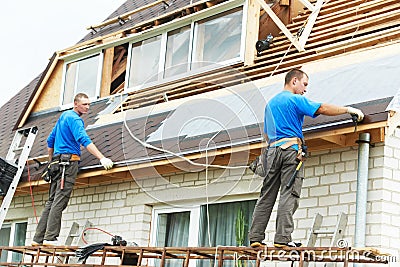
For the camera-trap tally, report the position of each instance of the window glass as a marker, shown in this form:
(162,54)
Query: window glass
(19,239)
(5,232)
(177,54)
(218,39)
(229,224)
(224,220)
(81,77)
(173,231)
(145,58)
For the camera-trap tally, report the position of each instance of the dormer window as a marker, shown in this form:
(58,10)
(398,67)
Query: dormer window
(198,46)
(217,39)
(82,76)
(146,55)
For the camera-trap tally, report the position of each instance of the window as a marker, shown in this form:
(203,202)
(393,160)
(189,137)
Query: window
(177,55)
(215,40)
(146,56)
(13,234)
(224,221)
(218,39)
(181,228)
(174,228)
(82,76)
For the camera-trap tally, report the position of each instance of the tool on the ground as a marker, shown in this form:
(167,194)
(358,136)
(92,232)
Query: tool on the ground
(13,168)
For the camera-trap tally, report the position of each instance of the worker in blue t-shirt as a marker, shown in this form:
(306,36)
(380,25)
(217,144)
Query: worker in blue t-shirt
(283,123)
(64,149)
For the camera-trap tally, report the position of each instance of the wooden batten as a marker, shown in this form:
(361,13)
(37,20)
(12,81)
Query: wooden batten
(252,26)
(106,77)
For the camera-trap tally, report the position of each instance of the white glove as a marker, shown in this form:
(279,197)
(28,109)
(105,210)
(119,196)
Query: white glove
(357,112)
(107,163)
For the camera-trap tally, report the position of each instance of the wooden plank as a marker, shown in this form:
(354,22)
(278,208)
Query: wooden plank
(107,72)
(125,15)
(356,43)
(252,25)
(310,23)
(284,2)
(280,25)
(108,38)
(337,139)
(307,4)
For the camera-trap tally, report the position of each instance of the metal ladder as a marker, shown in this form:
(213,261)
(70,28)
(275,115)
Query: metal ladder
(336,233)
(29,135)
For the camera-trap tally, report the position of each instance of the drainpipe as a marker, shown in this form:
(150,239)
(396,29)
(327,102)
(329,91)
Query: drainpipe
(362,189)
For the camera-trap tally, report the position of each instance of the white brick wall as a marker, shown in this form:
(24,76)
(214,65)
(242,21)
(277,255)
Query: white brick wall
(329,188)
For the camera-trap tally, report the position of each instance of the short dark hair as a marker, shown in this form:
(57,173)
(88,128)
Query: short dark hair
(294,73)
(79,96)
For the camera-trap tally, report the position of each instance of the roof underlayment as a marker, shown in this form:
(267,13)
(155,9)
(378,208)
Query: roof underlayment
(243,105)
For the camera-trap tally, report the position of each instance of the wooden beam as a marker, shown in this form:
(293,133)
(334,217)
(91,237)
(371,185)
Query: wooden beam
(280,25)
(107,72)
(336,139)
(125,16)
(310,24)
(307,4)
(284,2)
(347,130)
(252,25)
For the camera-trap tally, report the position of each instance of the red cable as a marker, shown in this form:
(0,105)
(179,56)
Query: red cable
(93,228)
(31,190)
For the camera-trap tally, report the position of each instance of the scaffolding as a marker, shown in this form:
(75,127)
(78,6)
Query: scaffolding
(184,256)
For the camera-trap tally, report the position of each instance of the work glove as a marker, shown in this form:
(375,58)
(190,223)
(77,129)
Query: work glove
(354,111)
(107,163)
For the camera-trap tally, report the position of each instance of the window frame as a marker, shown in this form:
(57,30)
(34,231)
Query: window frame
(194,224)
(163,31)
(100,54)
(195,218)
(12,225)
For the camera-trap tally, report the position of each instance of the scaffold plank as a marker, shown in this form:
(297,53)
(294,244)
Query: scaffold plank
(43,256)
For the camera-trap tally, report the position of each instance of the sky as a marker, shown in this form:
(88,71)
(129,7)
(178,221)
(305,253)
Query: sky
(31,31)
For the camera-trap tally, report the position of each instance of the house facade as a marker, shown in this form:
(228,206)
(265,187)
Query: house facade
(178,92)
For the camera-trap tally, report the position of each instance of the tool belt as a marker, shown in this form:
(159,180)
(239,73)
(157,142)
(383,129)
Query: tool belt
(67,157)
(290,141)
(53,170)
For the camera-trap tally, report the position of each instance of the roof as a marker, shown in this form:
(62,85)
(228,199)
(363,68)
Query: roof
(217,100)
(150,13)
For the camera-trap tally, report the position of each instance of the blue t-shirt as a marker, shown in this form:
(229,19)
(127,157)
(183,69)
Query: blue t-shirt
(284,115)
(68,134)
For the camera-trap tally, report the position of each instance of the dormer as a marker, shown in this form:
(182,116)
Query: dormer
(185,40)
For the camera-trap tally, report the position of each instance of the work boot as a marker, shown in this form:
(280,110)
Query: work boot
(289,244)
(256,244)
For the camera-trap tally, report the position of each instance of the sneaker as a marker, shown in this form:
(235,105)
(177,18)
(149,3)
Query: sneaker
(35,244)
(256,244)
(289,244)
(50,243)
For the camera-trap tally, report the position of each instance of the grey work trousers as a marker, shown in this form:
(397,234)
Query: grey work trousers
(281,164)
(49,225)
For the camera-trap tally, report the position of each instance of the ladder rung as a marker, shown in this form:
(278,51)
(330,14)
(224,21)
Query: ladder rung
(323,232)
